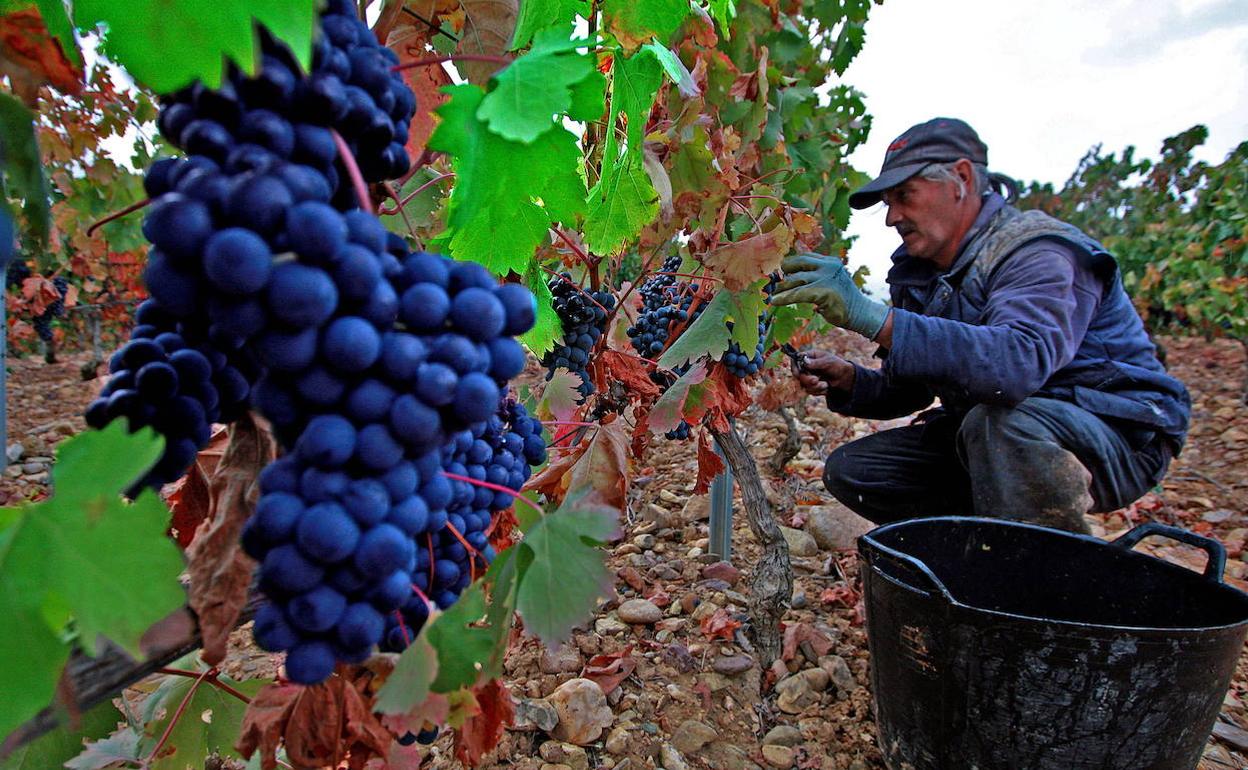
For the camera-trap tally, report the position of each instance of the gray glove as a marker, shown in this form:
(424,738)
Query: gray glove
(825,283)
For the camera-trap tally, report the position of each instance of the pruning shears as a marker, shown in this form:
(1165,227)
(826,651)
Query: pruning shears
(799,359)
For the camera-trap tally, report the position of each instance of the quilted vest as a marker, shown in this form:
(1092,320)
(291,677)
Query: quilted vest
(1114,374)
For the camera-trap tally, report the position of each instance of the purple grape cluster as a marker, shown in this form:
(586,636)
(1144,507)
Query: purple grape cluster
(368,409)
(583,318)
(499,453)
(376,367)
(281,116)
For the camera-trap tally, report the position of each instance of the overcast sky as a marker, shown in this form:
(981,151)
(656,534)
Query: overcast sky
(1041,82)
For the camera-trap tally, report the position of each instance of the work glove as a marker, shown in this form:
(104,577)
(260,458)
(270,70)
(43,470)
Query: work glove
(825,283)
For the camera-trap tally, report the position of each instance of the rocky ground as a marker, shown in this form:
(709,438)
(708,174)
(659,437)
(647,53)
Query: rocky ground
(665,676)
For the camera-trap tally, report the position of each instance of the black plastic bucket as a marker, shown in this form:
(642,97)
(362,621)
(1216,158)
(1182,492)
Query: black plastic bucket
(1005,646)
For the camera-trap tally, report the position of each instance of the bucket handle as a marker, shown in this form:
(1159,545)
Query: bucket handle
(910,564)
(1216,553)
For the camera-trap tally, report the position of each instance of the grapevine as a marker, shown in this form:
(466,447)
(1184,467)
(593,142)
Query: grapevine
(416,499)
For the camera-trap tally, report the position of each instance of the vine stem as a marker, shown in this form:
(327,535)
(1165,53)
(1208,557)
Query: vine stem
(353,171)
(212,680)
(497,488)
(569,422)
(569,282)
(641,277)
(453,57)
(173,721)
(689,275)
(133,207)
(408,198)
(472,563)
(580,253)
(398,615)
(393,193)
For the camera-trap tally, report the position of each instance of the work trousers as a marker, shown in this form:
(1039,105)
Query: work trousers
(1043,461)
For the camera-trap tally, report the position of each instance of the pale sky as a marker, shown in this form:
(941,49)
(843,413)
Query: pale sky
(1041,82)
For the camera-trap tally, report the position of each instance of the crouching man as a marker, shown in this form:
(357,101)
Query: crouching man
(1052,400)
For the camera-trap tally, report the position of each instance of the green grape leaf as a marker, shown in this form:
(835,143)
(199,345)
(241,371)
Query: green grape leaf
(675,69)
(723,11)
(84,554)
(536,15)
(460,642)
(709,334)
(786,320)
(471,636)
(622,203)
(548,329)
(168,44)
(669,410)
(55,748)
(848,44)
(210,723)
(408,684)
(59,26)
(124,747)
(624,200)
(565,573)
(589,97)
(634,22)
(494,216)
(536,87)
(23,168)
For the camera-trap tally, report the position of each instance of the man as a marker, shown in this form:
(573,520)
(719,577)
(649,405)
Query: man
(1052,401)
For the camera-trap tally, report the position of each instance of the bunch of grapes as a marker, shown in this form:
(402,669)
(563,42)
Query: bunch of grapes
(373,365)
(251,122)
(17,272)
(737,362)
(583,316)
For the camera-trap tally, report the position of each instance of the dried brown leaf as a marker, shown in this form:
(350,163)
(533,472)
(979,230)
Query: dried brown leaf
(795,634)
(219,570)
(487,29)
(601,464)
(609,669)
(710,464)
(482,730)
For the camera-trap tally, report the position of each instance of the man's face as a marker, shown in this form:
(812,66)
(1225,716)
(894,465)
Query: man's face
(926,215)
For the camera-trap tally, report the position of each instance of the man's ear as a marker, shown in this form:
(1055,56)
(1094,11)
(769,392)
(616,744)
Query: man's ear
(965,172)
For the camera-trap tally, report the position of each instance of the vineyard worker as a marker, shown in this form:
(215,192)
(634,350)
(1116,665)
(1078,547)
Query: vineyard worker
(1052,400)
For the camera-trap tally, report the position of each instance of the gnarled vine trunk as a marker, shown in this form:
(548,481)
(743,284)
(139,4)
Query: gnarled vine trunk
(771,581)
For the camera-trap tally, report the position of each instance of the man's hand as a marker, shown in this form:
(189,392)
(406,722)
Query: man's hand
(821,371)
(825,283)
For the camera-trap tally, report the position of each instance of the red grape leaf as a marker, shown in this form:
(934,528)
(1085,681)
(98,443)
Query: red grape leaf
(720,625)
(31,58)
(482,730)
(219,570)
(710,464)
(410,43)
(750,259)
(797,633)
(601,464)
(189,502)
(560,396)
(629,370)
(318,725)
(609,669)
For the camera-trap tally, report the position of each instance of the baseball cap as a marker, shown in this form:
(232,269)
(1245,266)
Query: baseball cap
(940,140)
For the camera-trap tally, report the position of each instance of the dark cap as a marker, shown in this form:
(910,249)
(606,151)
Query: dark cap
(940,140)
